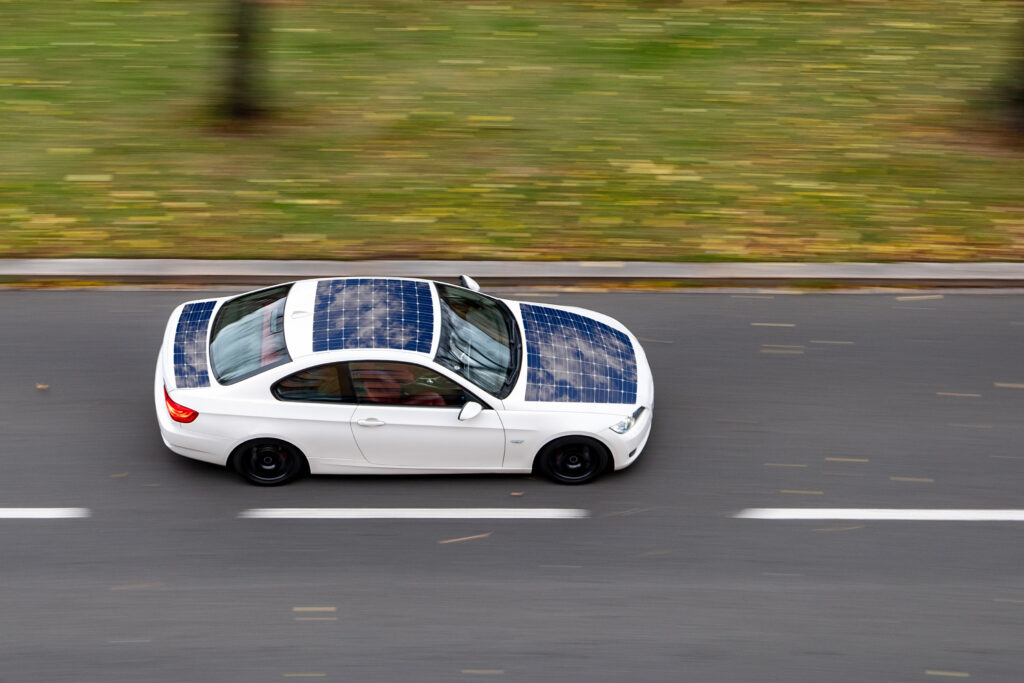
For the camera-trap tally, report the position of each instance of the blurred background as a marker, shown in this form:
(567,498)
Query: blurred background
(708,130)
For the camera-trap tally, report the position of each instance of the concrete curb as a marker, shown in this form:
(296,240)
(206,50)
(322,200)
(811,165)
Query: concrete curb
(198,271)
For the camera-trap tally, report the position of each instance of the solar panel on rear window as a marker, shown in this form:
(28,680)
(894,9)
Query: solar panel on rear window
(572,358)
(190,345)
(373,313)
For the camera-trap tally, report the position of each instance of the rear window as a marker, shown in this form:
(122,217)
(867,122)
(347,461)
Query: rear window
(248,335)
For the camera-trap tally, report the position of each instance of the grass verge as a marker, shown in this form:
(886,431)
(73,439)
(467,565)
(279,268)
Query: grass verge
(707,130)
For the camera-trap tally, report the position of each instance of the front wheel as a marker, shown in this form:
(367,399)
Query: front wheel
(269,463)
(573,460)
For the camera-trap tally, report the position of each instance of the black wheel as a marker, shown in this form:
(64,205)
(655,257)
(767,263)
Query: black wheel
(573,460)
(269,463)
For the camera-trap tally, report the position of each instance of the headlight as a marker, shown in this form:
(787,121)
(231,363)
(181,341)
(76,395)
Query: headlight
(627,423)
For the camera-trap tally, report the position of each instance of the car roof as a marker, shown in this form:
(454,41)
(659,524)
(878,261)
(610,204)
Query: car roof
(361,313)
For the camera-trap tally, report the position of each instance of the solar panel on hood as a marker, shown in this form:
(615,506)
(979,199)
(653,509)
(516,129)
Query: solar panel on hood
(572,358)
(190,345)
(373,313)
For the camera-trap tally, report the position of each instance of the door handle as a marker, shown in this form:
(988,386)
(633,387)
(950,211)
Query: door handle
(370,422)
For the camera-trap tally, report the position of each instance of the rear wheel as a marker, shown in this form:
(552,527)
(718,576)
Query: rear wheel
(269,463)
(573,460)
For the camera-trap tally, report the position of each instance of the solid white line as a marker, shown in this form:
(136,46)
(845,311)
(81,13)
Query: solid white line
(43,513)
(414,513)
(884,514)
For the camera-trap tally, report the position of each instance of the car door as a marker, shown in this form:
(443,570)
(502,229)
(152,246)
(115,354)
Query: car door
(314,411)
(408,416)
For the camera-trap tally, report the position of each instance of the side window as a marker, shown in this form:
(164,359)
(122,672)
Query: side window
(404,384)
(322,384)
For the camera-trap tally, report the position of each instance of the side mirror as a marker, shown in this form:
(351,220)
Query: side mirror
(470,410)
(469,283)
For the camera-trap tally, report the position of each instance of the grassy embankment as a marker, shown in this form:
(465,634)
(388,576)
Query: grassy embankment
(706,130)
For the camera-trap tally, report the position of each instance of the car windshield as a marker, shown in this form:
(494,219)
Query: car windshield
(479,339)
(248,335)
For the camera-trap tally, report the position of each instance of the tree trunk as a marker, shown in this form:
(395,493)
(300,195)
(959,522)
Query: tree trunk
(1014,91)
(243,100)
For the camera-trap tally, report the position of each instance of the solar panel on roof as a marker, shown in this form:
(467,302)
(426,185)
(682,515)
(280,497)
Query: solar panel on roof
(373,313)
(190,345)
(572,358)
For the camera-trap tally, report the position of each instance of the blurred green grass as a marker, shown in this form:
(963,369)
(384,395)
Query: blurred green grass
(706,130)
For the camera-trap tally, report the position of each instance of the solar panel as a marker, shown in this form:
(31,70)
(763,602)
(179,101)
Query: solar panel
(190,345)
(373,313)
(572,358)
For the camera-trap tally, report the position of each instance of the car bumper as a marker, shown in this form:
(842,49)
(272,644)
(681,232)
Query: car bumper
(630,445)
(184,440)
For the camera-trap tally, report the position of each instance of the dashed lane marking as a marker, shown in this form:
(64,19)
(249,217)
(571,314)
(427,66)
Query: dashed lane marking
(950,674)
(919,297)
(315,609)
(1009,385)
(465,538)
(414,513)
(44,513)
(847,459)
(920,480)
(773,324)
(950,393)
(884,514)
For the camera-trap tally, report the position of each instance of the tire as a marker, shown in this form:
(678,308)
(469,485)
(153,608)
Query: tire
(269,463)
(573,460)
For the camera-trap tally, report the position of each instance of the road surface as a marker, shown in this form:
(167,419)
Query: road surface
(865,401)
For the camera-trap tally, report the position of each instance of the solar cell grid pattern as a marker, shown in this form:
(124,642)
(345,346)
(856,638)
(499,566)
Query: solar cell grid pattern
(572,358)
(373,313)
(190,362)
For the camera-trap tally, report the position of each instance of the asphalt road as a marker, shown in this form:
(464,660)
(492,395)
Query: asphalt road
(758,405)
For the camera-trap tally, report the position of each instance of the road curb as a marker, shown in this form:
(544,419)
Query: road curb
(198,271)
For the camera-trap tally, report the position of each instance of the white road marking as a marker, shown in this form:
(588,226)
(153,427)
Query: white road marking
(44,513)
(414,513)
(884,514)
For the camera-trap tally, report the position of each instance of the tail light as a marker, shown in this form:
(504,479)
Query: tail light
(179,413)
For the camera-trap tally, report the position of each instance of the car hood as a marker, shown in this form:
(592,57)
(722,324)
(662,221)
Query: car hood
(574,356)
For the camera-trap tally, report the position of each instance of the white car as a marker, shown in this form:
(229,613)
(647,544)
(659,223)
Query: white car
(392,375)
